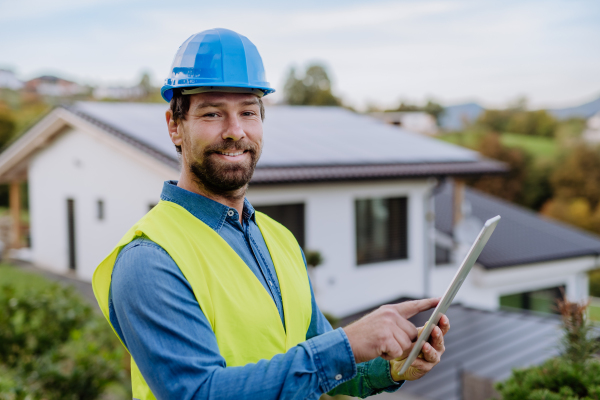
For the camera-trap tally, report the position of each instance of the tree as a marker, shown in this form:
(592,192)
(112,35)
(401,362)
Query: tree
(434,109)
(8,125)
(314,88)
(508,186)
(519,120)
(579,175)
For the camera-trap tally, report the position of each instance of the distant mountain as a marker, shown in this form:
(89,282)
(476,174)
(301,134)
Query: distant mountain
(454,117)
(583,111)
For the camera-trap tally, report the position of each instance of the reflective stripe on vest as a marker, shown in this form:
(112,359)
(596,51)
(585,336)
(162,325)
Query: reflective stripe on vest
(241,312)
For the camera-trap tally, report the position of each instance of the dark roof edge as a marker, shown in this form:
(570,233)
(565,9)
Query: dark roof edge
(152,151)
(525,262)
(309,174)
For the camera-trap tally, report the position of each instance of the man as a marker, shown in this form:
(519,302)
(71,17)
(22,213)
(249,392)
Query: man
(212,299)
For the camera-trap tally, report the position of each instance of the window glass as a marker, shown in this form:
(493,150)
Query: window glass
(381,229)
(442,255)
(289,215)
(100,209)
(538,300)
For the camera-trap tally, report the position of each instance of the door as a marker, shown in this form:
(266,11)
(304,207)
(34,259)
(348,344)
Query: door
(71,233)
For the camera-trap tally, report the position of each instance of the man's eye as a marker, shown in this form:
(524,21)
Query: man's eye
(249,113)
(210,115)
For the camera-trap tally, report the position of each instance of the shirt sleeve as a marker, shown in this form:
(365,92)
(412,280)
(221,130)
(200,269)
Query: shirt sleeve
(372,377)
(155,312)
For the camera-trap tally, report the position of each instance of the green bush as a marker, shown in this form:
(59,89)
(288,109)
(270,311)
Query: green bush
(575,375)
(556,379)
(52,346)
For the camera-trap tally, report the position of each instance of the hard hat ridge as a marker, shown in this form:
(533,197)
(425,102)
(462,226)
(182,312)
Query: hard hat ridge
(217,58)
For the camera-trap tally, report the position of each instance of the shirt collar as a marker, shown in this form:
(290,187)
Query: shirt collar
(211,212)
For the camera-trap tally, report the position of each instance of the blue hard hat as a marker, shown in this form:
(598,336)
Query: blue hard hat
(218,58)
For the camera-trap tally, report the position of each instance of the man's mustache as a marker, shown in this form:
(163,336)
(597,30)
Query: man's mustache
(226,147)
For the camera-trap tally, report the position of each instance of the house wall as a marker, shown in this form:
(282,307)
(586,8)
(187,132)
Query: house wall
(341,287)
(483,288)
(88,167)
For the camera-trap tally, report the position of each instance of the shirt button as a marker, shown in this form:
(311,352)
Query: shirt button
(338,377)
(270,283)
(230,213)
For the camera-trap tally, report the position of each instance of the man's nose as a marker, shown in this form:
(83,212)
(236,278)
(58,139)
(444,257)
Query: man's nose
(233,129)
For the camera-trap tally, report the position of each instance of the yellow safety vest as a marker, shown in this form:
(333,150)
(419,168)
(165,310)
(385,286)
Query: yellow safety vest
(241,313)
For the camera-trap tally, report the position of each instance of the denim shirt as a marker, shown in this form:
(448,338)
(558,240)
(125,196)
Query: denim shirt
(155,313)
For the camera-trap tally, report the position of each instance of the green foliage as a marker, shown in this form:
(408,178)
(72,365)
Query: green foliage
(576,197)
(542,149)
(579,175)
(8,126)
(314,88)
(517,120)
(333,320)
(555,379)
(594,282)
(52,346)
(574,375)
(508,186)
(532,160)
(434,109)
(579,344)
(570,129)
(313,258)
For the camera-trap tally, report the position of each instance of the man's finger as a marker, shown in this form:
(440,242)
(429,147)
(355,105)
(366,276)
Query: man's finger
(437,339)
(408,327)
(444,324)
(410,308)
(429,354)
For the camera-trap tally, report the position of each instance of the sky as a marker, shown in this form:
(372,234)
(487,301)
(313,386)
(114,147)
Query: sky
(377,52)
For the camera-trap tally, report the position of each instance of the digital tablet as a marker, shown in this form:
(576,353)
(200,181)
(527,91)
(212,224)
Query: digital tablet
(446,300)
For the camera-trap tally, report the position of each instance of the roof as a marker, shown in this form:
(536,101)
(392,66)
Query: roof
(521,237)
(307,144)
(487,344)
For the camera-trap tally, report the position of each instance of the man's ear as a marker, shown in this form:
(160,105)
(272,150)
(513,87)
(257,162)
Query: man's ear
(173,127)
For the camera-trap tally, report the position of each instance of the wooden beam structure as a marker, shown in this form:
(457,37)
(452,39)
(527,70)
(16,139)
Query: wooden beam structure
(457,201)
(15,213)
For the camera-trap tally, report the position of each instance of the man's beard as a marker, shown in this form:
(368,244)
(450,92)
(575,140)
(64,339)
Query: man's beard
(221,177)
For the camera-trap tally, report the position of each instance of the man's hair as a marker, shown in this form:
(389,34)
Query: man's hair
(180,105)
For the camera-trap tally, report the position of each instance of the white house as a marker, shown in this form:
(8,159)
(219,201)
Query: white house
(8,80)
(357,190)
(414,121)
(592,132)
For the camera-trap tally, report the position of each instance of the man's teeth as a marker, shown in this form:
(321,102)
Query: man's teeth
(232,154)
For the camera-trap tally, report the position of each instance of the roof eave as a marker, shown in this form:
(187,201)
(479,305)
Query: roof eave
(338,173)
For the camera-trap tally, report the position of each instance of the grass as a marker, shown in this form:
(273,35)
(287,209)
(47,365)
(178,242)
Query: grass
(594,313)
(21,280)
(594,310)
(540,148)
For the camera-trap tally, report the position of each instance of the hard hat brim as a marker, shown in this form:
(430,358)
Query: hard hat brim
(167,90)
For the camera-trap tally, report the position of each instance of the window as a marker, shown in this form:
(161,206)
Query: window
(538,300)
(442,255)
(381,230)
(100,209)
(289,215)
(71,234)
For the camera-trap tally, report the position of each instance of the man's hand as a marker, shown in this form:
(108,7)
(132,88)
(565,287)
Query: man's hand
(386,332)
(429,357)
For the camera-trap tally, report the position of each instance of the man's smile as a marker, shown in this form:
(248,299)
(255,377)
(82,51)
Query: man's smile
(232,155)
